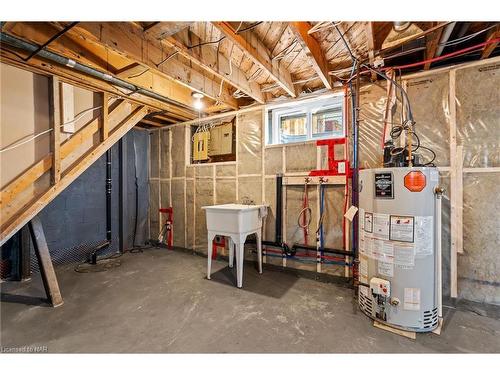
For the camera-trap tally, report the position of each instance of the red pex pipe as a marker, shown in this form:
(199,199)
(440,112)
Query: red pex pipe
(439,58)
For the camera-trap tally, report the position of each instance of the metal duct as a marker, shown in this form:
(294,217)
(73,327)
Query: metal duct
(444,38)
(61,60)
(400,26)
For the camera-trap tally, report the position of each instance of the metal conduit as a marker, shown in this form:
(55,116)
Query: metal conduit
(61,60)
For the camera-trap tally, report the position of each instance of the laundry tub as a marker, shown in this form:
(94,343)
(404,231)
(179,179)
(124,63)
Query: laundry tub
(235,221)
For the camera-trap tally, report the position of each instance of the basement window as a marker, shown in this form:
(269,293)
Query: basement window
(306,121)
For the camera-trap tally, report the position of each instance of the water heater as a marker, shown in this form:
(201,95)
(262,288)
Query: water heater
(398,257)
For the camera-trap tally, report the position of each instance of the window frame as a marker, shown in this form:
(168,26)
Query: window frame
(308,107)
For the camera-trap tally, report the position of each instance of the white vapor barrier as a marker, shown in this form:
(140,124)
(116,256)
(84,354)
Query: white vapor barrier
(430,107)
(249,138)
(479,266)
(372,101)
(478,115)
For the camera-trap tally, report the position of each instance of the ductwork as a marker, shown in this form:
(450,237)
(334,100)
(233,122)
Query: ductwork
(444,38)
(400,26)
(61,60)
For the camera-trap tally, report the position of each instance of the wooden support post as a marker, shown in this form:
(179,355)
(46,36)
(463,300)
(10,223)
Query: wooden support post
(104,116)
(46,267)
(453,193)
(55,139)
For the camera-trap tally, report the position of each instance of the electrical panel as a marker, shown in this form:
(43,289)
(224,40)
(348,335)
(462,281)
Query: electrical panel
(221,140)
(200,145)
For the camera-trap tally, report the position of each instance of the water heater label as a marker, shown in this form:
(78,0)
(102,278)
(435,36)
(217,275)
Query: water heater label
(384,185)
(402,228)
(412,299)
(381,226)
(368,222)
(424,240)
(385,269)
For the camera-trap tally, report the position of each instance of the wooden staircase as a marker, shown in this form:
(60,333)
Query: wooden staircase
(24,197)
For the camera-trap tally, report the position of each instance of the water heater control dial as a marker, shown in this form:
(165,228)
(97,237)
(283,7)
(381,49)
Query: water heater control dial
(380,287)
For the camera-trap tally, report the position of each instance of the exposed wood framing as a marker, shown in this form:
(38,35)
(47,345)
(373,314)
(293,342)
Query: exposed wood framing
(104,116)
(217,64)
(55,134)
(48,274)
(454,177)
(40,66)
(146,51)
(370,41)
(488,49)
(85,48)
(160,30)
(432,46)
(25,214)
(313,51)
(260,55)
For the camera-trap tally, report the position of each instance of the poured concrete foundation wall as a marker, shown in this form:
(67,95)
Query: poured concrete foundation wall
(252,177)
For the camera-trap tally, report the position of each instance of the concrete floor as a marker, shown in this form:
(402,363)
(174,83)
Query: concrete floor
(160,301)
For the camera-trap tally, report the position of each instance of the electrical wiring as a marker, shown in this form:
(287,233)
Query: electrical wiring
(447,56)
(77,117)
(166,58)
(466,37)
(238,31)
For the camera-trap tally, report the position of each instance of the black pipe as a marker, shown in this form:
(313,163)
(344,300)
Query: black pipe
(107,242)
(325,250)
(279,208)
(108,195)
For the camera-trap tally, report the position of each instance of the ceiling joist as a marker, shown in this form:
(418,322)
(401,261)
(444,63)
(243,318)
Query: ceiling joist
(259,54)
(312,50)
(127,39)
(206,56)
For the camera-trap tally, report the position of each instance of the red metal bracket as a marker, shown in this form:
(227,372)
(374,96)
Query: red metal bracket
(335,167)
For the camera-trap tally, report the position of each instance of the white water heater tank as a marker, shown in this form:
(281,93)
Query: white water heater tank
(398,263)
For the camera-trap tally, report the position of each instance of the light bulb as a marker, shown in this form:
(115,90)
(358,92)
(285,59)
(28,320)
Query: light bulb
(198,104)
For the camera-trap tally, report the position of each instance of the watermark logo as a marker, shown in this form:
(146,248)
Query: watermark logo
(24,349)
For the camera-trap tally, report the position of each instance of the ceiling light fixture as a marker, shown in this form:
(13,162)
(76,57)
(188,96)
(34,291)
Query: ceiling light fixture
(198,104)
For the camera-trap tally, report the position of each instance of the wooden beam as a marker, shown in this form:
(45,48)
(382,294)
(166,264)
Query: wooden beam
(260,55)
(81,45)
(31,209)
(55,134)
(40,66)
(370,42)
(206,56)
(160,30)
(47,272)
(489,48)
(104,116)
(28,177)
(126,39)
(432,46)
(37,170)
(313,51)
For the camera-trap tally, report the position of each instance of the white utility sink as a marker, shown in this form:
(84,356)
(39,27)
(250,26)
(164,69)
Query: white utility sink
(235,221)
(235,218)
